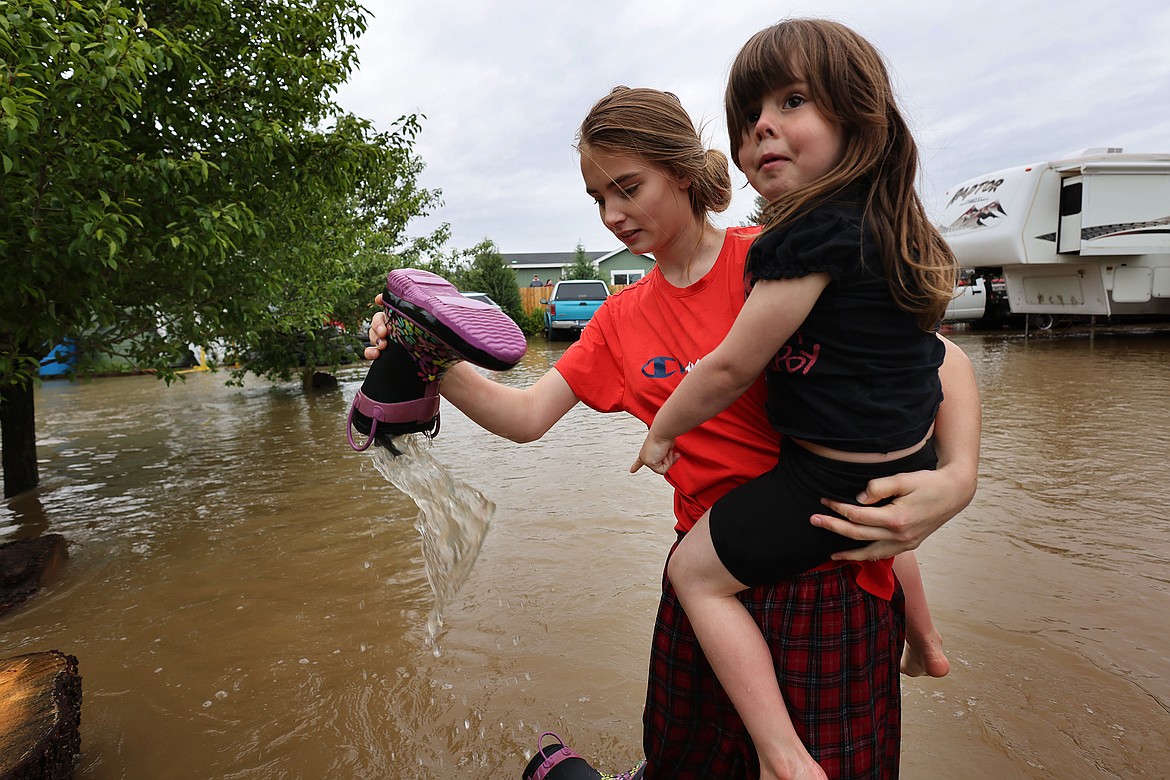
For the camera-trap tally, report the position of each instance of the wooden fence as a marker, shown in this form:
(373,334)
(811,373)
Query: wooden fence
(530,296)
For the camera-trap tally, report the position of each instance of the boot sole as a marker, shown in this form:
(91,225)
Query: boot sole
(477,332)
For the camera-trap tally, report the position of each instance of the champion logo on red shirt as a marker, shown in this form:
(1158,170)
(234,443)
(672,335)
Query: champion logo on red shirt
(662,367)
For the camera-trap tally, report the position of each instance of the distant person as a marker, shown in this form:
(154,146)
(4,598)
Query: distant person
(535,281)
(848,283)
(851,608)
(548,282)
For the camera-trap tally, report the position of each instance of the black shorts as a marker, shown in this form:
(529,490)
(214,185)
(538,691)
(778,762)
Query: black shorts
(761,529)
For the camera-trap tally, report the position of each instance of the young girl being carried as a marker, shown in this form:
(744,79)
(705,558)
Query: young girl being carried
(847,284)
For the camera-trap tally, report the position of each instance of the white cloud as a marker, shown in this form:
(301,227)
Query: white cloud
(504,85)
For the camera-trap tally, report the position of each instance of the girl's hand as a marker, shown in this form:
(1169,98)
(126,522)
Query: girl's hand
(377,331)
(658,454)
(921,502)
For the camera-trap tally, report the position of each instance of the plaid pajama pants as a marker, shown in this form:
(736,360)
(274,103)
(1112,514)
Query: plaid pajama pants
(836,650)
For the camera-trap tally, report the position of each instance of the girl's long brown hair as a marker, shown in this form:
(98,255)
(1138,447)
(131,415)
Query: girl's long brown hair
(849,83)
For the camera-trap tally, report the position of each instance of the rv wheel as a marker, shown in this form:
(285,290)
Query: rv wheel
(1042,321)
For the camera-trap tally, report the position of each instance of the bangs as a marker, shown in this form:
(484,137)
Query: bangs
(767,62)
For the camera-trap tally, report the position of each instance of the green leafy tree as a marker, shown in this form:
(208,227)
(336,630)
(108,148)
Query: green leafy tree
(532,323)
(488,272)
(582,267)
(360,243)
(179,173)
(757,215)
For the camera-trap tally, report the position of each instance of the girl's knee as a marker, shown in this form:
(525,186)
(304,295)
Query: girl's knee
(694,568)
(688,567)
(677,566)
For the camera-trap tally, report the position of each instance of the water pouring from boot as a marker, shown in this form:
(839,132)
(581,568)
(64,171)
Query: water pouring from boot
(430,327)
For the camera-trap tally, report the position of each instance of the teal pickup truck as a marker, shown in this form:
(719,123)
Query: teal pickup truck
(571,306)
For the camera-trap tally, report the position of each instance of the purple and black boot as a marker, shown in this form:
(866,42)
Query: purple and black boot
(430,327)
(555,761)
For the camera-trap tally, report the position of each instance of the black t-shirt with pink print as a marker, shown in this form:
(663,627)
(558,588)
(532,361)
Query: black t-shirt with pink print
(859,374)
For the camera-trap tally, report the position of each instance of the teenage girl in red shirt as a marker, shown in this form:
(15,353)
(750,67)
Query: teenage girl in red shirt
(655,185)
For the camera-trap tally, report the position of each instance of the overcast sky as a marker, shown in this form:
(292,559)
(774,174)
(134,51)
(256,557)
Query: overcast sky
(504,85)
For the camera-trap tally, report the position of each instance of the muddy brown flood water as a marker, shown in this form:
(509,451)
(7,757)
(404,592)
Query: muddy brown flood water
(247,598)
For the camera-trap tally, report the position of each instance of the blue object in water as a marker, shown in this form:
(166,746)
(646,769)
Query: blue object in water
(60,360)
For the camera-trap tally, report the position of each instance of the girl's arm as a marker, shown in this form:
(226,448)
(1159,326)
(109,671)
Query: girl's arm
(520,414)
(773,311)
(922,500)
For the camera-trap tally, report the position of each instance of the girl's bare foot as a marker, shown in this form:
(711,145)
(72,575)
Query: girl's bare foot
(924,657)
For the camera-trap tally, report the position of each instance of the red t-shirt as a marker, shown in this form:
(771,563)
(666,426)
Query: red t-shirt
(637,349)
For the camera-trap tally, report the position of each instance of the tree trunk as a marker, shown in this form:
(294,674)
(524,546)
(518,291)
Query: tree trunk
(313,380)
(26,564)
(40,707)
(18,430)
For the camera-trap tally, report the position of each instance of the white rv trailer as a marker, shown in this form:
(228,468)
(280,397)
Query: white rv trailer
(1084,235)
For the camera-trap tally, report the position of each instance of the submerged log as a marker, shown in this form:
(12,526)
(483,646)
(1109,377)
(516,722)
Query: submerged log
(40,716)
(26,564)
